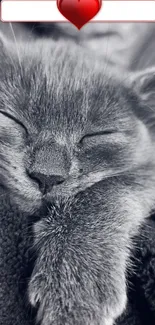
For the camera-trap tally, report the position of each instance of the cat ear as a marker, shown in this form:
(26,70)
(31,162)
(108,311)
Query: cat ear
(143,84)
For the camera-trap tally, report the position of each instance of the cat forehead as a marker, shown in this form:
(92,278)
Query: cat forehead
(51,86)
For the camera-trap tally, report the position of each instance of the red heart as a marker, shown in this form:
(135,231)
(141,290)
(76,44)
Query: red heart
(79,12)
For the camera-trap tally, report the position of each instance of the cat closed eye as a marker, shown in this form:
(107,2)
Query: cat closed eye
(14,119)
(98,135)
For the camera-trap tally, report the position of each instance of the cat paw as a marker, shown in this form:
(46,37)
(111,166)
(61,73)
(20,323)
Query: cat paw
(36,289)
(50,310)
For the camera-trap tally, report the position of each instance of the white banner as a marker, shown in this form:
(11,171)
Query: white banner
(17,10)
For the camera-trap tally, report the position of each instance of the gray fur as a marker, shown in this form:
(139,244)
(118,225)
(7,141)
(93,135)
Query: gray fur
(60,115)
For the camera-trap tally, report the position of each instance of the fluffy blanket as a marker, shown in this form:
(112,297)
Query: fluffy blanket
(141,280)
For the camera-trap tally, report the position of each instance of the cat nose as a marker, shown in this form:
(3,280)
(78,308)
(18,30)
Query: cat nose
(46,182)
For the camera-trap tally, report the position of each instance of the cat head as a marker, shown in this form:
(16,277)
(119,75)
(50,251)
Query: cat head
(65,124)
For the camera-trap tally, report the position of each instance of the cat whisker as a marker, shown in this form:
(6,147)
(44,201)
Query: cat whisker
(17,47)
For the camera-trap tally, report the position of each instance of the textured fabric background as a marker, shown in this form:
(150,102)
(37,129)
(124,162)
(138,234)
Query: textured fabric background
(121,44)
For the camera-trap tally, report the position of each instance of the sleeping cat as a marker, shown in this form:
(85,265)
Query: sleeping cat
(76,150)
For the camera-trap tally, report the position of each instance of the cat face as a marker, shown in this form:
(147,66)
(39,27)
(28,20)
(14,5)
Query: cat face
(64,125)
